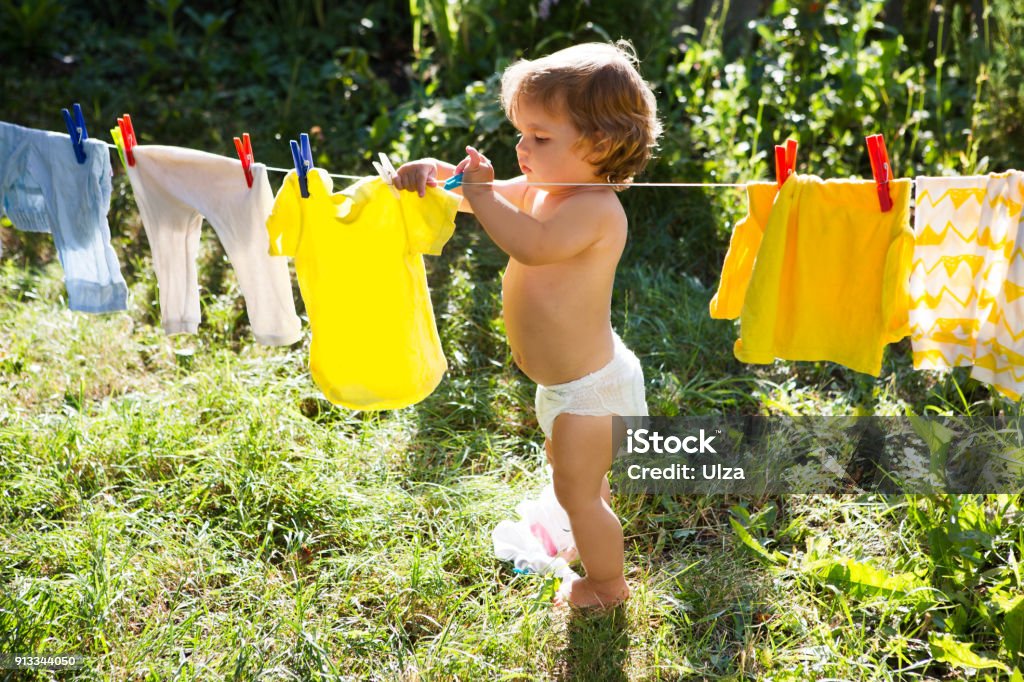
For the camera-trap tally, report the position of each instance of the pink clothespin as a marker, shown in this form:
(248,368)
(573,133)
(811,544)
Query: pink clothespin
(128,135)
(244,148)
(881,169)
(785,161)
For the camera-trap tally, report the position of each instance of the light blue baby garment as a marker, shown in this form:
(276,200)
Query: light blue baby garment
(43,188)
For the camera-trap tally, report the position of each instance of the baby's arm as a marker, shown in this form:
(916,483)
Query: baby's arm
(416,176)
(577,223)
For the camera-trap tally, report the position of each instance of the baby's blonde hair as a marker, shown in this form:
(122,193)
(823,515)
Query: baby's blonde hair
(604,95)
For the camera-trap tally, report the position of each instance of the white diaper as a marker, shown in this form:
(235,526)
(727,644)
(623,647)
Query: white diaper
(615,389)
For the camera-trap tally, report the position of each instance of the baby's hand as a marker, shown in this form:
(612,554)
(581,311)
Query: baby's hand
(416,176)
(476,168)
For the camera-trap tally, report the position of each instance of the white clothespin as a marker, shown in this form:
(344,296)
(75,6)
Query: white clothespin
(387,173)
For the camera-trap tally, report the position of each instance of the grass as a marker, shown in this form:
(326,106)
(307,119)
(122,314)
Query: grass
(191,508)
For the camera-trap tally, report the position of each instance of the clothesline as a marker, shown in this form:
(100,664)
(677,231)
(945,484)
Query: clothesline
(282,170)
(333,175)
(545,184)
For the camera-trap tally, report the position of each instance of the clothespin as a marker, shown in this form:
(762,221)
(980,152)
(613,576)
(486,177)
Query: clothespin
(115,135)
(302,155)
(128,135)
(77,131)
(881,169)
(785,161)
(244,148)
(453,182)
(387,173)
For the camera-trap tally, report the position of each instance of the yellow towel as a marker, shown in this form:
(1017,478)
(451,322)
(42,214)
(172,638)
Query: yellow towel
(743,246)
(830,281)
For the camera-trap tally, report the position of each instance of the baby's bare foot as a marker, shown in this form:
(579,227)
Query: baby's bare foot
(585,593)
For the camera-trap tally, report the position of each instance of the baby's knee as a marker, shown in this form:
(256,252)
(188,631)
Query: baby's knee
(574,497)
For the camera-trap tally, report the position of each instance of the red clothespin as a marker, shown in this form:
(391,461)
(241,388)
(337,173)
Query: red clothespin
(244,149)
(881,169)
(785,161)
(128,135)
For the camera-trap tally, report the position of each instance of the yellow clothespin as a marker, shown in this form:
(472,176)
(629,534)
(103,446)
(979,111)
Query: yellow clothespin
(119,141)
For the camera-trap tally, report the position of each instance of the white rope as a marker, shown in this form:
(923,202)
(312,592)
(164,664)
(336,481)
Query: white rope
(333,175)
(617,184)
(543,184)
(282,170)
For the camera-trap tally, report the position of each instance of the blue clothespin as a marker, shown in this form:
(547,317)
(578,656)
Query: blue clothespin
(453,182)
(302,155)
(77,131)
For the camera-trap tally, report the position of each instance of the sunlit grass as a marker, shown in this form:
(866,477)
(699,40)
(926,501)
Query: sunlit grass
(191,507)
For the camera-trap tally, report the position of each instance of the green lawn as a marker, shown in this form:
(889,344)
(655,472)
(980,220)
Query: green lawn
(192,508)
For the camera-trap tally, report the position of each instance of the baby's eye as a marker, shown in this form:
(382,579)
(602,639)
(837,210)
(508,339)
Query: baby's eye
(541,139)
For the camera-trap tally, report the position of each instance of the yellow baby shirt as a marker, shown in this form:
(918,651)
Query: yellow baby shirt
(831,277)
(358,257)
(743,247)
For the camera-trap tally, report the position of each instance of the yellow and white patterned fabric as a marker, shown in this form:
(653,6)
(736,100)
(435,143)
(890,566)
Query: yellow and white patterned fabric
(967,278)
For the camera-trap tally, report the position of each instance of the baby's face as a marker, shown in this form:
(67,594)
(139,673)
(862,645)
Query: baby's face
(547,149)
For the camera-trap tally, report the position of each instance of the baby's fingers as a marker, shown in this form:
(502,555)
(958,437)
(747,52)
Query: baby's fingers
(478,158)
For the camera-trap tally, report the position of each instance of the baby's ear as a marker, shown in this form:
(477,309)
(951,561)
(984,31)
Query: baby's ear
(599,147)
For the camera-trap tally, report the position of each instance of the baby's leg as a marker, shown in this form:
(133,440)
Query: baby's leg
(581,454)
(606,490)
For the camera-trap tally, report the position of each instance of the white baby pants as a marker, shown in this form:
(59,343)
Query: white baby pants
(175,189)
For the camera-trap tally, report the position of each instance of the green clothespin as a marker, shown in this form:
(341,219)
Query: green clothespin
(119,141)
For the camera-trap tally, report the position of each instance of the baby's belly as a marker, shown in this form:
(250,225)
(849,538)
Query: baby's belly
(554,341)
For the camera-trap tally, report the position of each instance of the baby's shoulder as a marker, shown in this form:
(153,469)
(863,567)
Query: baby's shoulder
(599,206)
(594,201)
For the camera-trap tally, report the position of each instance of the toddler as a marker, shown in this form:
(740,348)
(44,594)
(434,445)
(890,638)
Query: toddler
(587,123)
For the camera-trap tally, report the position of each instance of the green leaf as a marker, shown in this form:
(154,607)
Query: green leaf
(1013,629)
(935,435)
(747,539)
(946,649)
(863,580)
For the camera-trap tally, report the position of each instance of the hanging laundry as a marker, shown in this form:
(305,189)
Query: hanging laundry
(43,188)
(999,359)
(830,278)
(744,244)
(175,189)
(358,257)
(967,278)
